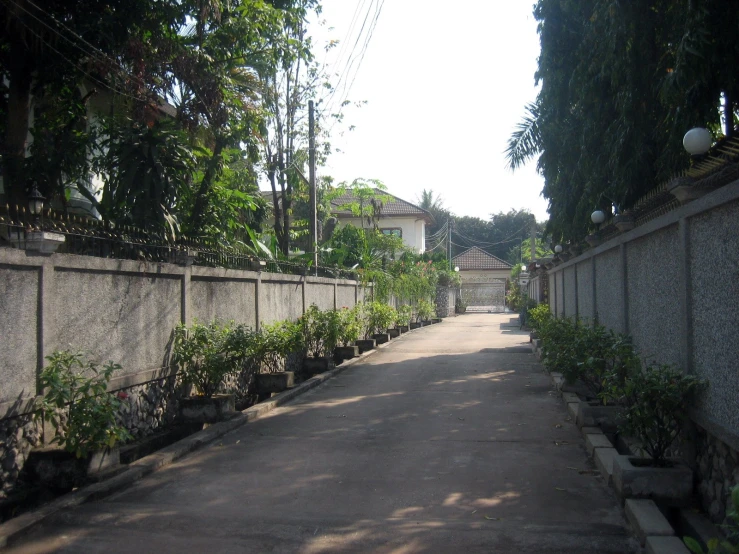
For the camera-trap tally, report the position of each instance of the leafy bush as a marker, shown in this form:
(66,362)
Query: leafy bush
(380,316)
(404,314)
(320,331)
(459,305)
(449,278)
(206,355)
(353,324)
(731,544)
(76,385)
(655,407)
(539,316)
(605,359)
(426,310)
(274,343)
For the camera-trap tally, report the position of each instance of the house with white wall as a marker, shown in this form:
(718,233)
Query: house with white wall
(395,216)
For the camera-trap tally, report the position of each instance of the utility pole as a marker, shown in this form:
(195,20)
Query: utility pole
(533,238)
(312,184)
(449,234)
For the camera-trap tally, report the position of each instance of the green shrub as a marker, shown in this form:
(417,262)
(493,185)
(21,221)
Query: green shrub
(79,387)
(656,398)
(320,331)
(404,315)
(380,316)
(539,316)
(425,310)
(206,355)
(353,324)
(274,343)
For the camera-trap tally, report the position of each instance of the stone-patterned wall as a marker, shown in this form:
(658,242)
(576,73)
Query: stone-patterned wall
(671,283)
(18,435)
(717,468)
(445,299)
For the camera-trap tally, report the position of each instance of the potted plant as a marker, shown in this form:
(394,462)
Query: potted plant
(459,306)
(320,330)
(352,323)
(656,398)
(83,414)
(426,311)
(270,350)
(380,316)
(205,356)
(403,316)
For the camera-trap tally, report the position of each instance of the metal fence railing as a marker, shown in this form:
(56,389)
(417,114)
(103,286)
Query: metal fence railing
(92,237)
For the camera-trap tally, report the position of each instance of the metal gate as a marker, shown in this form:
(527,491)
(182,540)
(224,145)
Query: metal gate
(484,295)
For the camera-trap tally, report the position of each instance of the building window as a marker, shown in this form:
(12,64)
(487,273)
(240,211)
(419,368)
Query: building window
(397,231)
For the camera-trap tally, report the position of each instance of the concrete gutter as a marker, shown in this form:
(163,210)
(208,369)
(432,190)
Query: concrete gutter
(14,528)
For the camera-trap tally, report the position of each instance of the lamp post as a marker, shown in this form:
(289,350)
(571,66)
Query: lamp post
(36,205)
(38,240)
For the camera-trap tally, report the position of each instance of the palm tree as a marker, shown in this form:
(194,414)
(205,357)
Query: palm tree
(525,142)
(428,202)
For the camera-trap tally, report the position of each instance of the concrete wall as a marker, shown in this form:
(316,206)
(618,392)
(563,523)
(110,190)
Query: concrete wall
(672,284)
(125,311)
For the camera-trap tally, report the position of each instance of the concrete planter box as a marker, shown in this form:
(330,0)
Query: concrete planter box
(393,333)
(342,353)
(416,325)
(635,478)
(365,345)
(595,414)
(268,383)
(436,320)
(381,338)
(312,366)
(61,470)
(403,328)
(426,322)
(200,409)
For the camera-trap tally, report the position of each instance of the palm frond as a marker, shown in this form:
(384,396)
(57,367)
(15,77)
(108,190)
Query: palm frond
(525,142)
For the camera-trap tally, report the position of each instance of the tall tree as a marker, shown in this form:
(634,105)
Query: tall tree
(621,82)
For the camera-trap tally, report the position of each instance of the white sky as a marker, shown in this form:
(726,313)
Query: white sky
(445,85)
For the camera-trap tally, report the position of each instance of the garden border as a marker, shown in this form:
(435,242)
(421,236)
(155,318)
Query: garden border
(15,528)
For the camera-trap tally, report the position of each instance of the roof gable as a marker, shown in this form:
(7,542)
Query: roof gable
(477,258)
(391,207)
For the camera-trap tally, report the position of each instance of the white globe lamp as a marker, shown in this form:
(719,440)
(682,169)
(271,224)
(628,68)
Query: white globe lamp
(697,141)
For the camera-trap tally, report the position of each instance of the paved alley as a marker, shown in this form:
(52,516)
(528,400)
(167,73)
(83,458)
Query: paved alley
(447,440)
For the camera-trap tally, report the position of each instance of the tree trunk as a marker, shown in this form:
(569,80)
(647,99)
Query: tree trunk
(16,133)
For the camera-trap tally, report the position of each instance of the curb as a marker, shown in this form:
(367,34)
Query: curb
(16,527)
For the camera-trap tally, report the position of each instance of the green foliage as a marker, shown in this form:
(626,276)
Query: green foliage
(539,316)
(380,317)
(425,310)
(353,322)
(498,236)
(151,169)
(656,398)
(404,314)
(731,529)
(321,331)
(206,354)
(448,278)
(637,75)
(79,387)
(274,343)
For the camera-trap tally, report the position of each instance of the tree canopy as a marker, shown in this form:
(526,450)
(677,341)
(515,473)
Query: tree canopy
(621,83)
